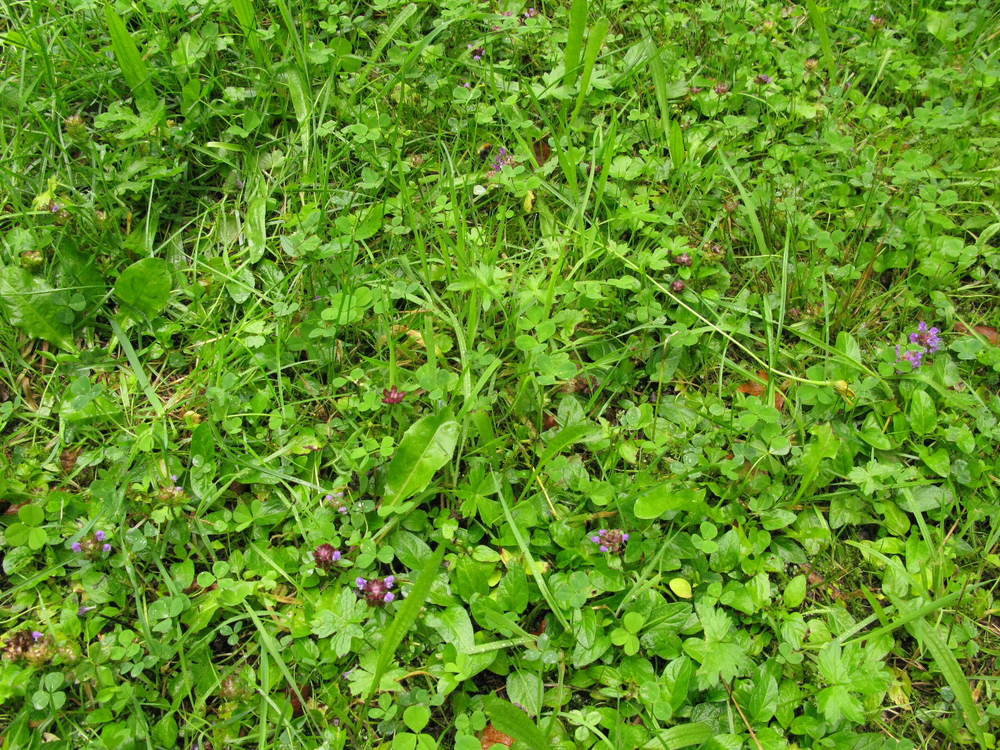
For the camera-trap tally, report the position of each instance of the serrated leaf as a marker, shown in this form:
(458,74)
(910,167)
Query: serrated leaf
(40,311)
(426,446)
(145,286)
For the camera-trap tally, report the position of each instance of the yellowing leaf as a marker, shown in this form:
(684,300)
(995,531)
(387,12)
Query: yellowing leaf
(680,587)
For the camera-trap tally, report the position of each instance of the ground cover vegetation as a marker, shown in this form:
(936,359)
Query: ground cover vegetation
(463,374)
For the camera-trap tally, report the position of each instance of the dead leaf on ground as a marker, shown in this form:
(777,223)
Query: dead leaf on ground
(542,151)
(492,736)
(990,334)
(756,388)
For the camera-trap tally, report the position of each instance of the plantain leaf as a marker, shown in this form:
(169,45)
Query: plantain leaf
(145,286)
(426,446)
(30,304)
(511,720)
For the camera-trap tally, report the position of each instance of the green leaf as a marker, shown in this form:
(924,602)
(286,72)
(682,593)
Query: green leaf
(681,736)
(659,500)
(406,616)
(923,415)
(525,688)
(426,446)
(680,587)
(36,308)
(511,720)
(795,592)
(574,41)
(145,286)
(416,717)
(824,446)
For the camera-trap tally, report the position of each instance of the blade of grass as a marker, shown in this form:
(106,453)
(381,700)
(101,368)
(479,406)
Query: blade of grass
(406,617)
(574,42)
(133,67)
(930,639)
(594,42)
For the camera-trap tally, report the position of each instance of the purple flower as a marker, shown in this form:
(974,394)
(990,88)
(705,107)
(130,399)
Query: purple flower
(678,286)
(504,159)
(37,635)
(763,79)
(376,591)
(389,596)
(531,13)
(100,536)
(684,259)
(926,337)
(106,548)
(476,52)
(326,555)
(76,547)
(507,13)
(361,583)
(342,509)
(393,395)
(915,358)
(610,540)
(389,581)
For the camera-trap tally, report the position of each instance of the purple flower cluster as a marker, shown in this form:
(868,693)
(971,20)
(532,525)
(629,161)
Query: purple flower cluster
(376,591)
(476,52)
(91,545)
(926,339)
(504,159)
(610,540)
(326,555)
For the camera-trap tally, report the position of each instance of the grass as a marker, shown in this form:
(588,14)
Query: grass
(333,335)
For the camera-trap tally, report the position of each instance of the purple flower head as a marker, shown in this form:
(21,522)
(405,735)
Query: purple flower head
(721,88)
(328,498)
(610,540)
(678,286)
(763,79)
(926,337)
(531,13)
(504,159)
(915,358)
(100,536)
(325,555)
(342,509)
(106,548)
(37,635)
(393,395)
(84,610)
(76,547)
(361,583)
(476,52)
(376,591)
(174,477)
(684,259)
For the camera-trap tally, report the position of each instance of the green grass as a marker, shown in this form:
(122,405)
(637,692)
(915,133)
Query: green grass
(633,267)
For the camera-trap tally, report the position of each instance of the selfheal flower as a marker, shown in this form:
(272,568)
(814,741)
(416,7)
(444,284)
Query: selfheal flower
(393,395)
(684,259)
(76,547)
(531,13)
(721,88)
(377,591)
(326,555)
(915,358)
(926,337)
(100,536)
(37,635)
(342,509)
(763,79)
(610,540)
(678,286)
(476,52)
(105,548)
(504,159)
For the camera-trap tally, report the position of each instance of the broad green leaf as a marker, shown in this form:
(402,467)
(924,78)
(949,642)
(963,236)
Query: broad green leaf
(416,717)
(824,446)
(681,736)
(525,689)
(145,286)
(426,446)
(511,720)
(795,592)
(659,500)
(30,304)
(923,415)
